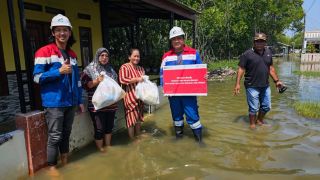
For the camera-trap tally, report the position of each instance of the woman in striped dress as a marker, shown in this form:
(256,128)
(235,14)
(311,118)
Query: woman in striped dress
(129,75)
(103,119)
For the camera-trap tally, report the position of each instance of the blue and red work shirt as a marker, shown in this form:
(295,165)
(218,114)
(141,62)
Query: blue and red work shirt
(57,90)
(187,56)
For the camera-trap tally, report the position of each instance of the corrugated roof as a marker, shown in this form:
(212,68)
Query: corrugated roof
(126,12)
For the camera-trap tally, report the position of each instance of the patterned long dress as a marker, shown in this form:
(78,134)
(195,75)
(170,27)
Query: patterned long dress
(133,106)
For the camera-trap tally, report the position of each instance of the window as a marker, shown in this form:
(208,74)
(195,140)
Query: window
(85,45)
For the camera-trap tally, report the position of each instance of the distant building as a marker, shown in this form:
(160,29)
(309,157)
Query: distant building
(311,37)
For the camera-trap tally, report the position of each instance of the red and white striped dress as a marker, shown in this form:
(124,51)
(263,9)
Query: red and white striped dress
(133,106)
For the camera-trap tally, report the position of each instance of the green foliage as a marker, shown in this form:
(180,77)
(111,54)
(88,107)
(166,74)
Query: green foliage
(222,64)
(296,40)
(283,39)
(311,48)
(308,73)
(225,27)
(150,37)
(308,109)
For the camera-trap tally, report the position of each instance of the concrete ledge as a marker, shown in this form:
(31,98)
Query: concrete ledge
(82,128)
(35,131)
(26,152)
(14,163)
(82,131)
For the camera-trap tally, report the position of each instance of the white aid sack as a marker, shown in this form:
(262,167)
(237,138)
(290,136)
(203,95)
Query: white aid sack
(107,93)
(147,91)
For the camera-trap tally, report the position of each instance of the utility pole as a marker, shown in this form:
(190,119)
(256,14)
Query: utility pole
(303,49)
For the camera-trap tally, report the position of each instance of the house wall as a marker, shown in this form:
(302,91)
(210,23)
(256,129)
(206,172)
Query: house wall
(71,10)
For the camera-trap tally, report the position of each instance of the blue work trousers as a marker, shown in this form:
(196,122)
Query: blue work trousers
(185,105)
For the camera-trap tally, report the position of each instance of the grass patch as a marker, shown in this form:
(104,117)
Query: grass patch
(308,109)
(308,73)
(221,64)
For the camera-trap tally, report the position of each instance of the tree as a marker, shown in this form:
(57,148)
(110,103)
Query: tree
(225,28)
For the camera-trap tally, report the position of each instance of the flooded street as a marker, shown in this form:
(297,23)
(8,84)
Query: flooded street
(288,149)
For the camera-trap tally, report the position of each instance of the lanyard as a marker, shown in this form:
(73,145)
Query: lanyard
(65,55)
(179,58)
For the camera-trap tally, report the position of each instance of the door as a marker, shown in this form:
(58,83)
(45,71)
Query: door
(4,90)
(39,33)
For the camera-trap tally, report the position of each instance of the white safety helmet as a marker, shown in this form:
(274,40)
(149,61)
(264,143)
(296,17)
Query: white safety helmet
(60,20)
(176,31)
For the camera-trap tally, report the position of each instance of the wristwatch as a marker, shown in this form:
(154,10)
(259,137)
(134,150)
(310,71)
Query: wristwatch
(275,81)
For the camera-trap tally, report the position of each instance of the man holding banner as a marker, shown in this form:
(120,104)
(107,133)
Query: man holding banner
(182,76)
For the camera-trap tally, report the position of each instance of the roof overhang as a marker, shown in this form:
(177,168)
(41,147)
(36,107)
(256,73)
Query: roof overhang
(283,44)
(126,12)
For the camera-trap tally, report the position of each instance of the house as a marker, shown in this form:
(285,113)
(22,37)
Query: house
(24,28)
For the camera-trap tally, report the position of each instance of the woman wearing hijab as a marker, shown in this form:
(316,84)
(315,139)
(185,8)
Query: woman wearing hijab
(103,119)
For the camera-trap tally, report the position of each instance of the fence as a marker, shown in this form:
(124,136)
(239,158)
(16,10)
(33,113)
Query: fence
(310,57)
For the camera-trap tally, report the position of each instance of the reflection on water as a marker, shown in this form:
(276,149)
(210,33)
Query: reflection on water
(289,149)
(310,67)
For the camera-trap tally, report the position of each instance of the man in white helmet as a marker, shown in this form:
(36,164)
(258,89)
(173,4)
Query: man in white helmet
(181,54)
(56,71)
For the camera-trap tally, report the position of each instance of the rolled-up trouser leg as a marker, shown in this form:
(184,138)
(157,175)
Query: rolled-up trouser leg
(54,119)
(110,115)
(97,125)
(67,127)
(265,99)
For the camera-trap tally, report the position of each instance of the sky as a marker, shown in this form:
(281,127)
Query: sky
(312,10)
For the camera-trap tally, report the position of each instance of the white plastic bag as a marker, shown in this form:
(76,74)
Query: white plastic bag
(107,93)
(147,91)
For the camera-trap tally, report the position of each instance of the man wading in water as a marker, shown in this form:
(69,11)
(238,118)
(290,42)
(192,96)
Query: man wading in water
(56,70)
(181,54)
(256,65)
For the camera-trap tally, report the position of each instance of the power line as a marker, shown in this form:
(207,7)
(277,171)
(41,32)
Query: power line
(311,6)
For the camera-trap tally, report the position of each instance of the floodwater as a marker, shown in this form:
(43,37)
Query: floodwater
(288,149)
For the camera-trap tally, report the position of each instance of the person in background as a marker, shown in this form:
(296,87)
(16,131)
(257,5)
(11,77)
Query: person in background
(181,54)
(129,75)
(256,64)
(102,119)
(56,70)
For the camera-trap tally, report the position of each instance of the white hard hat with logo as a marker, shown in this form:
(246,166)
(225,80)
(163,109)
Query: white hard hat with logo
(60,20)
(176,31)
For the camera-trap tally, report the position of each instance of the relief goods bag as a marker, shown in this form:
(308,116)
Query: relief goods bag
(107,93)
(147,91)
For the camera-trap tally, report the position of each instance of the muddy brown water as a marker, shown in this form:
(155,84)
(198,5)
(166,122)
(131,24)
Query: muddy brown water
(288,149)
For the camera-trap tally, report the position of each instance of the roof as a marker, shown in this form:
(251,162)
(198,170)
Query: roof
(126,12)
(312,35)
